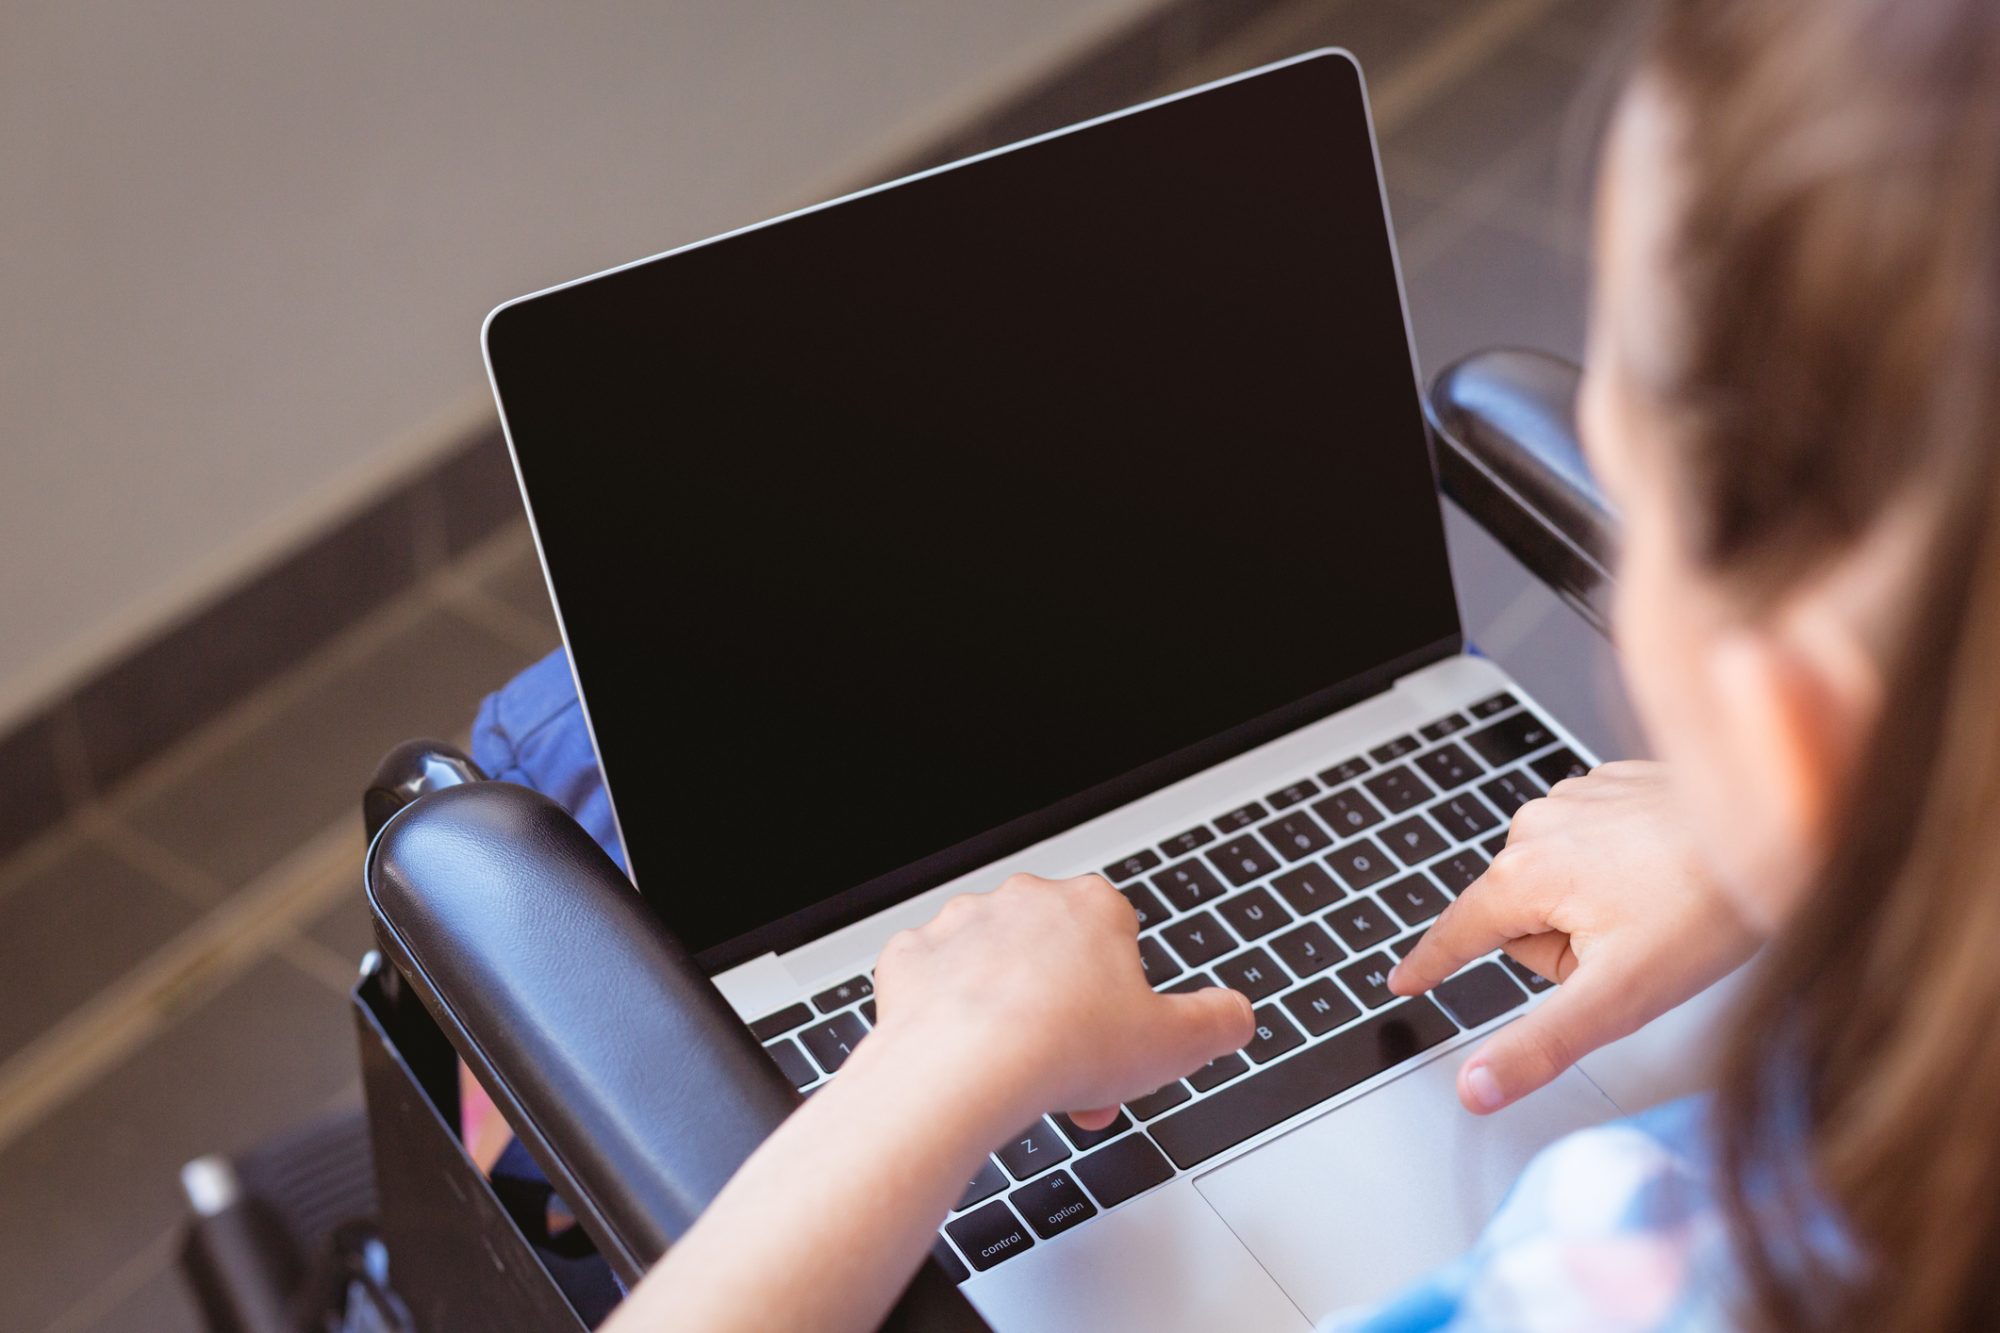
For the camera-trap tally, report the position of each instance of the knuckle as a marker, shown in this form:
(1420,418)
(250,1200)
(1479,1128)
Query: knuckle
(1571,788)
(1549,1047)
(1018,882)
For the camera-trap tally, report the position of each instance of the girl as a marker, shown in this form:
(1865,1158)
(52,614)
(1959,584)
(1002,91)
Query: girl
(1794,399)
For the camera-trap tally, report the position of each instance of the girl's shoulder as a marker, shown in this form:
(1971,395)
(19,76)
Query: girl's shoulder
(1613,1229)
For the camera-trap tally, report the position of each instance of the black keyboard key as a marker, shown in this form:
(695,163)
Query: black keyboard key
(846,993)
(1514,737)
(1089,1138)
(1493,705)
(988,1182)
(1121,1170)
(1242,817)
(1198,1132)
(1510,791)
(1147,904)
(832,1040)
(1449,766)
(948,1260)
(1308,950)
(1273,1035)
(1415,840)
(1398,789)
(1345,771)
(1563,763)
(1159,1100)
(1308,889)
(990,1236)
(1133,866)
(1254,913)
(1253,973)
(1052,1204)
(1395,749)
(1198,939)
(1159,965)
(1186,844)
(1360,864)
(1286,797)
(1464,817)
(1347,811)
(1321,1007)
(1493,845)
(1414,899)
(1458,871)
(1188,885)
(1218,1071)
(1401,948)
(868,1011)
(1243,859)
(1033,1150)
(1444,726)
(1192,981)
(1479,994)
(1368,978)
(776,1025)
(792,1061)
(1296,835)
(1362,924)
(1527,976)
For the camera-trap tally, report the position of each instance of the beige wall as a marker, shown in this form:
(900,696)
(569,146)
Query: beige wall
(246,245)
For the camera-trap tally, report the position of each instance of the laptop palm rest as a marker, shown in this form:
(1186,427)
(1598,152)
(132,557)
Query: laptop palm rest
(1164,1263)
(1349,1208)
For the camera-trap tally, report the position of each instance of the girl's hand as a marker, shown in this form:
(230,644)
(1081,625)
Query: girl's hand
(1035,994)
(1600,889)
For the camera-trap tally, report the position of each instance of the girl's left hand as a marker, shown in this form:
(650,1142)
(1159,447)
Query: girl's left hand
(1034,992)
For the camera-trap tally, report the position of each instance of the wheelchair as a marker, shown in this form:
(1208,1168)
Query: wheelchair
(510,941)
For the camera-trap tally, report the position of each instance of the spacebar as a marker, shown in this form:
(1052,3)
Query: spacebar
(1280,1092)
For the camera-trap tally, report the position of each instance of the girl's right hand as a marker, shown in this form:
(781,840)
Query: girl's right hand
(1600,888)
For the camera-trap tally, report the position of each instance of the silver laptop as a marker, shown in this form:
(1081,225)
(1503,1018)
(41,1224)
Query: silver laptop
(1070,509)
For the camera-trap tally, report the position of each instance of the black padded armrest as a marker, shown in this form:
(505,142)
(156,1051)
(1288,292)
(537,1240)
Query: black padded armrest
(620,1066)
(1508,454)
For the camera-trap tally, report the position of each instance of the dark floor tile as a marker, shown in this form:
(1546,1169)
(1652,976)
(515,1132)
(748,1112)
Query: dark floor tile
(162,1304)
(31,787)
(1382,37)
(71,928)
(1612,23)
(96,1181)
(519,583)
(474,492)
(191,672)
(346,927)
(1519,93)
(1493,287)
(238,812)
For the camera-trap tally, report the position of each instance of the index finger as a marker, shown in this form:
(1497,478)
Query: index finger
(1491,911)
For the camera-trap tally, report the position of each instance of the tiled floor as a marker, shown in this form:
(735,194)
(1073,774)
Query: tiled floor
(174,962)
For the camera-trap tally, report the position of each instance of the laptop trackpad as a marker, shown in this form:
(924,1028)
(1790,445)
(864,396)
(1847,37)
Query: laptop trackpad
(1346,1210)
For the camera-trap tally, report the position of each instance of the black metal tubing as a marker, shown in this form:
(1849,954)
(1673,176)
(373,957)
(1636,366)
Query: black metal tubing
(1509,455)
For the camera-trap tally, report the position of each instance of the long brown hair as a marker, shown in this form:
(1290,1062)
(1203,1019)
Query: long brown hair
(1837,248)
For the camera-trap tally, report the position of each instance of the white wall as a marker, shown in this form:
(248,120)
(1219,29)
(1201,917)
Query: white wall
(246,245)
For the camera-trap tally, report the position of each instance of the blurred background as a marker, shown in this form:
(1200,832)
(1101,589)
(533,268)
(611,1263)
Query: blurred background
(256,524)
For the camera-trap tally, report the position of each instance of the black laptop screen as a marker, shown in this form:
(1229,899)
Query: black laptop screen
(894,535)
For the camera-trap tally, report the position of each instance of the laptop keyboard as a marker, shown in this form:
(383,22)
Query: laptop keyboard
(1302,901)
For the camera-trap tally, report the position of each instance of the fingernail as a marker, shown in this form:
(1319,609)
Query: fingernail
(1485,1089)
(1395,975)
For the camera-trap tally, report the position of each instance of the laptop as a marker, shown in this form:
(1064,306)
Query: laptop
(1069,509)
